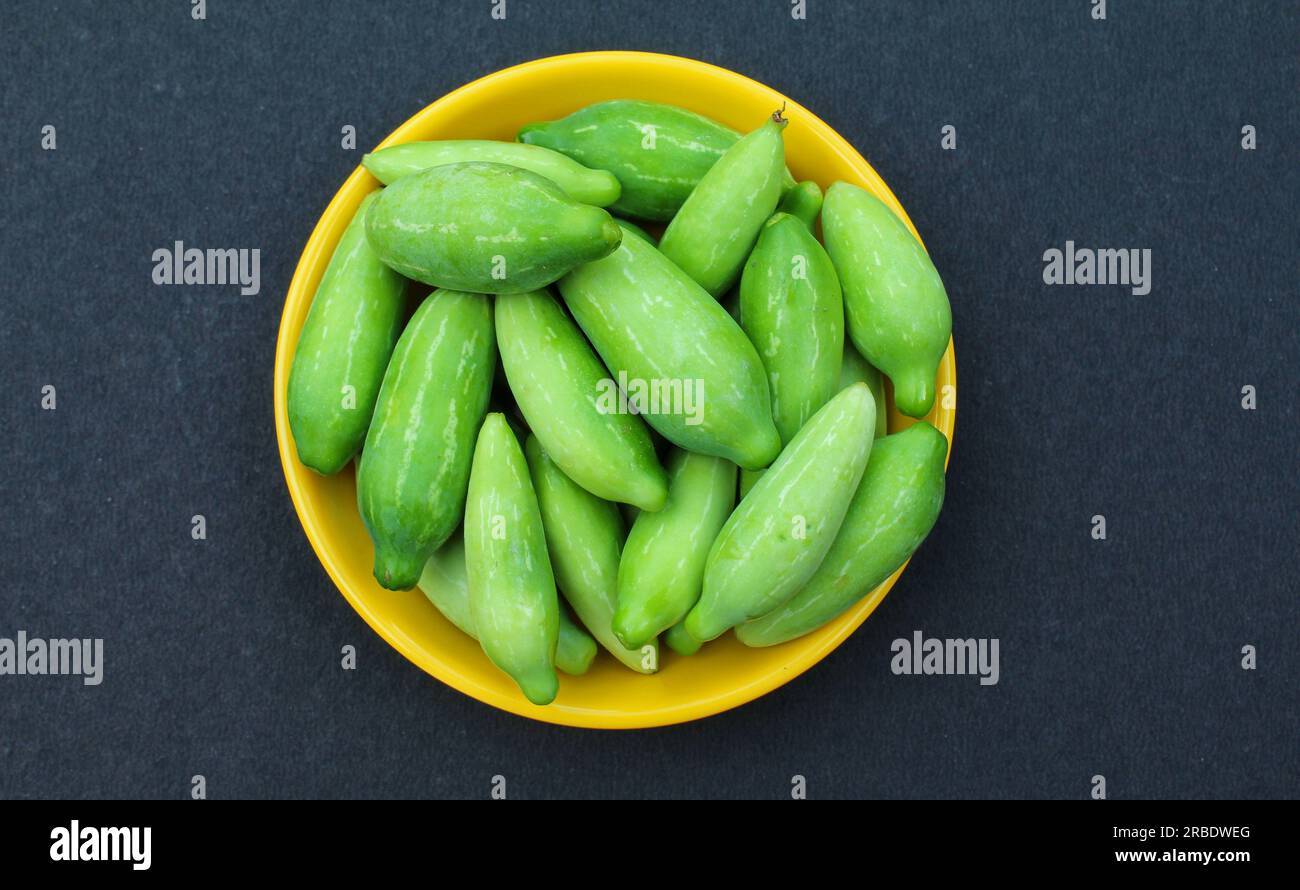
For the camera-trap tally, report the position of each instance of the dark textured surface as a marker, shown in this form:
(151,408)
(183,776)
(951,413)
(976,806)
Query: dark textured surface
(1119,658)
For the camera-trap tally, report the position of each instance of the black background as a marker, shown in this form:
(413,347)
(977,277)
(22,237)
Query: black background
(1119,658)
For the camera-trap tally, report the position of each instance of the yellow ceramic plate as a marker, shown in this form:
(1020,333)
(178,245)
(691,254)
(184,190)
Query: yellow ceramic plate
(724,673)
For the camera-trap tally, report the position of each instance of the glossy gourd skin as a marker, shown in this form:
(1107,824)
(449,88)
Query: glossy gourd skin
(414,470)
(651,323)
(583,537)
(898,312)
(803,202)
(892,511)
(681,642)
(485,228)
(631,228)
(855,369)
(716,228)
(658,152)
(446,584)
(662,569)
(512,596)
(343,351)
(791,309)
(597,187)
(556,380)
(789,305)
(777,537)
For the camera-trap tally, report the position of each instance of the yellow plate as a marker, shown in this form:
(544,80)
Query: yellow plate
(724,673)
